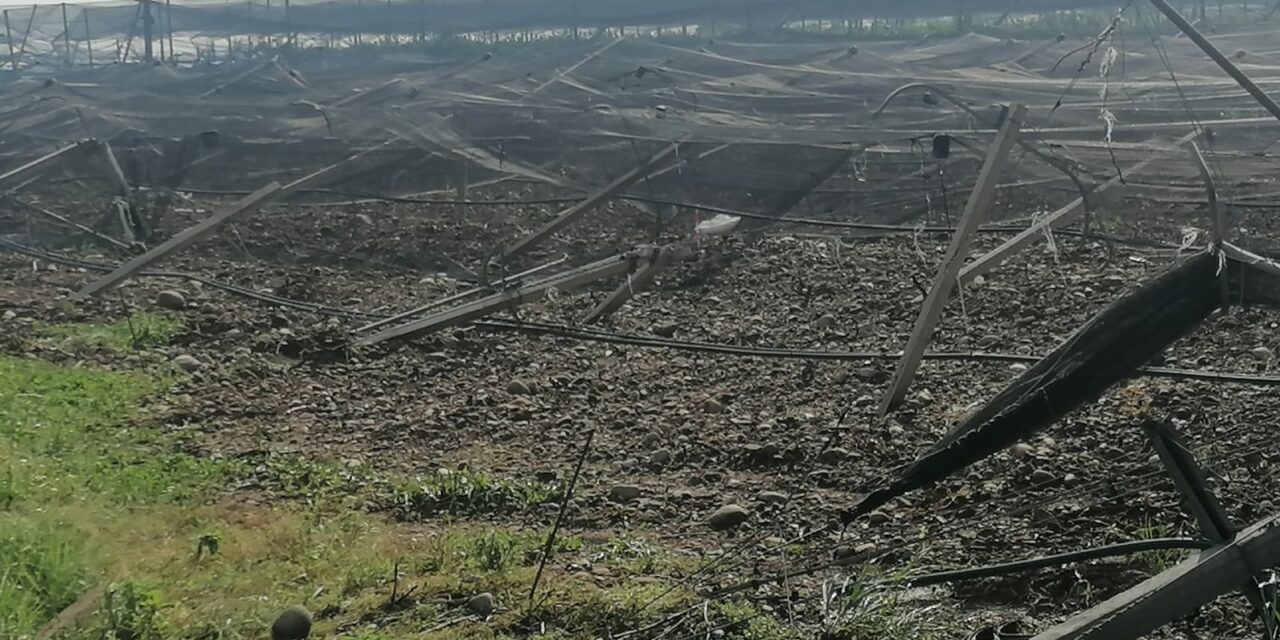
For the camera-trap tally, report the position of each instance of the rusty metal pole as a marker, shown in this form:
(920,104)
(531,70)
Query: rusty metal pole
(1222,61)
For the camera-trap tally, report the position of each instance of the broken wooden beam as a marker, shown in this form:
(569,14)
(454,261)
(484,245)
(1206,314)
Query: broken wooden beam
(115,175)
(637,282)
(600,196)
(572,279)
(1214,54)
(18,174)
(976,211)
(1067,213)
(1110,347)
(195,233)
(183,239)
(1175,592)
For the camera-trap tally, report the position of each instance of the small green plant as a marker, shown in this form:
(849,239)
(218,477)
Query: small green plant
(137,331)
(130,612)
(1153,562)
(468,493)
(860,607)
(42,570)
(494,550)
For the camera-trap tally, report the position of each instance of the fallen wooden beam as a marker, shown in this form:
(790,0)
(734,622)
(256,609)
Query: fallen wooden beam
(1067,213)
(556,78)
(584,275)
(183,239)
(39,164)
(1175,592)
(637,282)
(976,211)
(602,195)
(1110,347)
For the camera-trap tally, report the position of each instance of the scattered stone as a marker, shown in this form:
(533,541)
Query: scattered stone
(847,551)
(760,454)
(711,405)
(834,455)
(293,624)
(986,342)
(867,374)
(518,388)
(660,458)
(545,477)
(1070,479)
(171,299)
(728,517)
(1263,354)
(826,322)
(481,604)
(666,330)
(1040,476)
(9,315)
(364,219)
(188,363)
(1023,451)
(1018,366)
(877,518)
(771,497)
(624,493)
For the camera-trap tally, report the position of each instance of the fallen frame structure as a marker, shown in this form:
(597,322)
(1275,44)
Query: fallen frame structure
(1109,348)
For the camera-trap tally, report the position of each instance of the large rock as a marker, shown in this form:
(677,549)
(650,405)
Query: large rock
(519,388)
(1263,354)
(728,517)
(171,299)
(188,363)
(624,493)
(293,624)
(481,604)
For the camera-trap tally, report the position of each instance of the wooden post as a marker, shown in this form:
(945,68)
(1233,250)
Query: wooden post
(148,22)
(462,176)
(66,37)
(168,19)
(88,37)
(1222,61)
(8,36)
(975,212)
(1174,592)
(637,282)
(1215,214)
(572,279)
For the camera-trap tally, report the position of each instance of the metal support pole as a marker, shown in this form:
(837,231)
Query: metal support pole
(8,36)
(88,38)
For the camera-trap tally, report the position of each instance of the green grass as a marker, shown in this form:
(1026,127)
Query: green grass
(465,492)
(138,331)
(92,493)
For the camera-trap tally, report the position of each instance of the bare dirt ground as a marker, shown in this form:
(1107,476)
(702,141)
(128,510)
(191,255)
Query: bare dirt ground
(696,431)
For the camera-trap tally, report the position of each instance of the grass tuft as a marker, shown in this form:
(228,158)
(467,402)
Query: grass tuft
(138,331)
(467,492)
